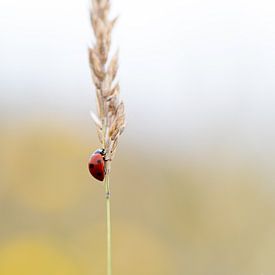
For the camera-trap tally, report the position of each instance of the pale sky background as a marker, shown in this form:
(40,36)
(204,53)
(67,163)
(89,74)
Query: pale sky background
(191,71)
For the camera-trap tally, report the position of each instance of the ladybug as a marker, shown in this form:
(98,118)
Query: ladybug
(97,164)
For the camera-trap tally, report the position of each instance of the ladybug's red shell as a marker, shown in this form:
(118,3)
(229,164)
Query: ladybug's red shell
(96,165)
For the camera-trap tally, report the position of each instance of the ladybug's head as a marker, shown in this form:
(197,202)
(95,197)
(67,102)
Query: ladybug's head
(100,151)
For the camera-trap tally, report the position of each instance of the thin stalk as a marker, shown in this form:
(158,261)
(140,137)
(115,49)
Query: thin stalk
(108,216)
(108,202)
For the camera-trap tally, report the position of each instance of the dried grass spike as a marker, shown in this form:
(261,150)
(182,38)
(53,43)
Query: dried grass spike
(111,114)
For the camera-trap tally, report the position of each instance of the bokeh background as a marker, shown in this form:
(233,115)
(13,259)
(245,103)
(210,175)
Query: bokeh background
(193,187)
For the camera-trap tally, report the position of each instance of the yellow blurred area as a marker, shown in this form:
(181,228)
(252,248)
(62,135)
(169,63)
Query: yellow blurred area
(212,214)
(30,257)
(46,167)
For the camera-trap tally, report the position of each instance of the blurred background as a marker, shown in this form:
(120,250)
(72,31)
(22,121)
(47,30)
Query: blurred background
(193,186)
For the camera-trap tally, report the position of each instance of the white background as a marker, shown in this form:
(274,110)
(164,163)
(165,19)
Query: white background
(192,72)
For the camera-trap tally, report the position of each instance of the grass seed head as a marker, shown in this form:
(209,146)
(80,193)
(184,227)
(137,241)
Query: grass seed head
(110,121)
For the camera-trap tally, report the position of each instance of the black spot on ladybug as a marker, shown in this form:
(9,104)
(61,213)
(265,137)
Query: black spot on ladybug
(99,174)
(98,161)
(91,166)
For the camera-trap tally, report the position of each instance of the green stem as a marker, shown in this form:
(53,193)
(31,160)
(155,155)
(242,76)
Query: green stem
(108,211)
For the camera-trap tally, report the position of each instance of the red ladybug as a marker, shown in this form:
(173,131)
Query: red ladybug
(97,164)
